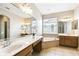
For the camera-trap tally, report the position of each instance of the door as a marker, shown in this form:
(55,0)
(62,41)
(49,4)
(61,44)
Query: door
(5,29)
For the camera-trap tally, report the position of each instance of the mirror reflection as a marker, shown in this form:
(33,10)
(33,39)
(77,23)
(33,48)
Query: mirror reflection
(4,27)
(29,27)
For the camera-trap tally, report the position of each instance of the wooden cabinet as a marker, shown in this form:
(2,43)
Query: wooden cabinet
(61,40)
(25,52)
(34,47)
(37,46)
(68,41)
(71,41)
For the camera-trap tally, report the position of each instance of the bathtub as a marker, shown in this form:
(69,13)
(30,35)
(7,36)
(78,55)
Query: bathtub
(49,42)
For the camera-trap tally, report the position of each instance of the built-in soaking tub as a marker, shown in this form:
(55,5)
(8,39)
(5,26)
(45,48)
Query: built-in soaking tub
(49,42)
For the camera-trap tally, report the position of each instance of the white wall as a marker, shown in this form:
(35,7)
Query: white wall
(15,23)
(76,13)
(37,15)
(0,29)
(76,16)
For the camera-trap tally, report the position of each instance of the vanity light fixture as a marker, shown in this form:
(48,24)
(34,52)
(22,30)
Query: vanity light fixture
(66,19)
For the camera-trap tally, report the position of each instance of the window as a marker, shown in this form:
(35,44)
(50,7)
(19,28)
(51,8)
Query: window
(50,26)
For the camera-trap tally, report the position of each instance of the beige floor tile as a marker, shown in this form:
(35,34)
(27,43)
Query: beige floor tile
(58,51)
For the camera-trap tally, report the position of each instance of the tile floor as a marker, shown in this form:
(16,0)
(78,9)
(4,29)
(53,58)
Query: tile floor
(58,51)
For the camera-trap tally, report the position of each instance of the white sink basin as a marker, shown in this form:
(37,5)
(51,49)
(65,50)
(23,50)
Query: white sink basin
(11,49)
(14,47)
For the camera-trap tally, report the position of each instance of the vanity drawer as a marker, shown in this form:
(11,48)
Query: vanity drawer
(25,52)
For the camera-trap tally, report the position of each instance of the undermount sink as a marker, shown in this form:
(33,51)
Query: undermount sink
(11,49)
(14,47)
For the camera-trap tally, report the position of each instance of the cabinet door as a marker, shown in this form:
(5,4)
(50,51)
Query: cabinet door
(37,47)
(61,40)
(71,41)
(68,41)
(75,42)
(25,52)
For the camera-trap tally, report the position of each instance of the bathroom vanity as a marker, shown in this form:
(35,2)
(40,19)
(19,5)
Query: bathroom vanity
(34,47)
(23,46)
(68,40)
(25,52)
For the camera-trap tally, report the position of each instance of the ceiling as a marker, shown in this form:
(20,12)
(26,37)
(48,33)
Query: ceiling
(13,9)
(47,8)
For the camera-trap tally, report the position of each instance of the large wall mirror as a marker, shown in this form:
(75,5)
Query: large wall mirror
(4,27)
(29,26)
(50,26)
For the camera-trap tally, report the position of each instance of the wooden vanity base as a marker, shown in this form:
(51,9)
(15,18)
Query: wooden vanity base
(35,47)
(70,41)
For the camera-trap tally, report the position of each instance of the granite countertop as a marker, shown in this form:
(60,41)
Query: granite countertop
(18,44)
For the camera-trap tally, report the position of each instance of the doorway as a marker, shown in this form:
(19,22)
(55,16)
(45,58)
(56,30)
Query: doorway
(4,27)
